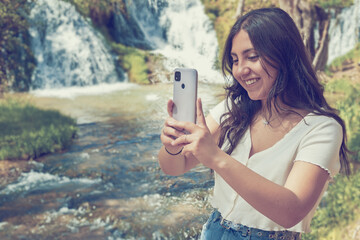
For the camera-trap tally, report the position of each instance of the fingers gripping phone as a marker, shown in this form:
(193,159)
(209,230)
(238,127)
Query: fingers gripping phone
(185,94)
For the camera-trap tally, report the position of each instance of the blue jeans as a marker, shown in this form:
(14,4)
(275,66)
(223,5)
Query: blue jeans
(217,228)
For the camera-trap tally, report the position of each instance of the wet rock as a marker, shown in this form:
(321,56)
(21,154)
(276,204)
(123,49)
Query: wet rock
(11,170)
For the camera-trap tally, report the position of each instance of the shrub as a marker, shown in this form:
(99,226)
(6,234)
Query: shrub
(339,207)
(350,113)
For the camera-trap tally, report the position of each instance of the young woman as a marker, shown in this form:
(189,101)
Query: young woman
(274,143)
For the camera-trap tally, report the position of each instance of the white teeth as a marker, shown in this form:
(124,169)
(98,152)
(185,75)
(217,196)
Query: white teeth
(252,81)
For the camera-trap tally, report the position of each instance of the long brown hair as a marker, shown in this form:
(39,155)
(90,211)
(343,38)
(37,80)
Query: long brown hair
(277,40)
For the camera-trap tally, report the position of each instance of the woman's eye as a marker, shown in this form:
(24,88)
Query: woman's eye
(253,58)
(235,61)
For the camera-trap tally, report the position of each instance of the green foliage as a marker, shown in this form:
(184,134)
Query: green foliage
(134,62)
(16,59)
(339,207)
(339,86)
(350,113)
(29,132)
(337,4)
(348,104)
(341,202)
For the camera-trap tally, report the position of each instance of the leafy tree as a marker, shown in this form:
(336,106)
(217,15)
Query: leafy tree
(16,58)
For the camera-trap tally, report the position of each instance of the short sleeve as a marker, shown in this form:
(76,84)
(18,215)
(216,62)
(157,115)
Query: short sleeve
(218,111)
(321,146)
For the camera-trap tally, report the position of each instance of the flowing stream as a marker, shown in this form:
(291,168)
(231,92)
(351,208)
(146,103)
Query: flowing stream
(108,185)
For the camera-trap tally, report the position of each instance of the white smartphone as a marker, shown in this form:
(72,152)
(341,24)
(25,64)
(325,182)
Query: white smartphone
(185,94)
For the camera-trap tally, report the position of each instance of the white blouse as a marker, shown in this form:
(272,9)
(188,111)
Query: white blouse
(316,140)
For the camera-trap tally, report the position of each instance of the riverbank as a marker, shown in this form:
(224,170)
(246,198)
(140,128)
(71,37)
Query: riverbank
(28,132)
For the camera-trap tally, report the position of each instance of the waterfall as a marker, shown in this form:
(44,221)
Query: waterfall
(69,52)
(178,30)
(140,27)
(344,31)
(190,39)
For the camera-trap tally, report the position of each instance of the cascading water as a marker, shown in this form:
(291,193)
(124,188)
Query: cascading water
(344,31)
(178,30)
(140,26)
(69,52)
(190,39)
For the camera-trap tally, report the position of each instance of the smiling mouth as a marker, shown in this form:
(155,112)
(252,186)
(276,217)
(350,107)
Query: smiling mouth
(251,81)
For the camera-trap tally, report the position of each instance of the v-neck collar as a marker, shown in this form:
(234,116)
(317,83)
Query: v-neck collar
(286,135)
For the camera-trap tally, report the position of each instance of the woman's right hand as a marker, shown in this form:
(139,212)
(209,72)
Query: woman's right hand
(168,134)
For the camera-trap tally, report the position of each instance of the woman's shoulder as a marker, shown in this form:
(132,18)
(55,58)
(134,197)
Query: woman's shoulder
(316,122)
(316,119)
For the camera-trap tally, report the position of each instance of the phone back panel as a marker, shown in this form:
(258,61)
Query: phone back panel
(185,95)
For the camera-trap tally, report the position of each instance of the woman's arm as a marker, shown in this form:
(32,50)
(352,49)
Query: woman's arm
(181,163)
(286,205)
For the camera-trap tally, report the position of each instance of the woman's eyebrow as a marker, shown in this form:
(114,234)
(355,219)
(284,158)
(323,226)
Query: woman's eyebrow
(247,50)
(243,52)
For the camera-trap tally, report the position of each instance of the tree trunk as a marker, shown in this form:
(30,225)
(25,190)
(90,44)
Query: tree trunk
(305,16)
(321,52)
(239,9)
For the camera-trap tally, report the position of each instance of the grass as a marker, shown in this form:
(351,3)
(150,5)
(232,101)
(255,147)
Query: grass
(28,132)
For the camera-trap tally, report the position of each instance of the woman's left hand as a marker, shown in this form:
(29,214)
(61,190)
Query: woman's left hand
(199,142)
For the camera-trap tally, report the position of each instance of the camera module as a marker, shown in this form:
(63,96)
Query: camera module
(177,76)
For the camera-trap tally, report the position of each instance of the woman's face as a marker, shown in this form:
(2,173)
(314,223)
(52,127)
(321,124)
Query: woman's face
(248,69)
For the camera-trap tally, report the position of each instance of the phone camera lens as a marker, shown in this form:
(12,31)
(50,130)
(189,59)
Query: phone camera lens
(177,76)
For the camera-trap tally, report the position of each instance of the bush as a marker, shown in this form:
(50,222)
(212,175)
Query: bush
(17,61)
(339,207)
(28,132)
(350,113)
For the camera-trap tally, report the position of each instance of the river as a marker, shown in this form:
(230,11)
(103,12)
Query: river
(108,185)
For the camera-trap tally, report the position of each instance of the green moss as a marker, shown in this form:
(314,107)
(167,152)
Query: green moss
(134,61)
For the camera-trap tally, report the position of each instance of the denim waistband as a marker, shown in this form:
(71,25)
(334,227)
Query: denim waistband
(252,232)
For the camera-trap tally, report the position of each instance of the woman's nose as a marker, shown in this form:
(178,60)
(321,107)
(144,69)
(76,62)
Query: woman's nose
(242,71)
